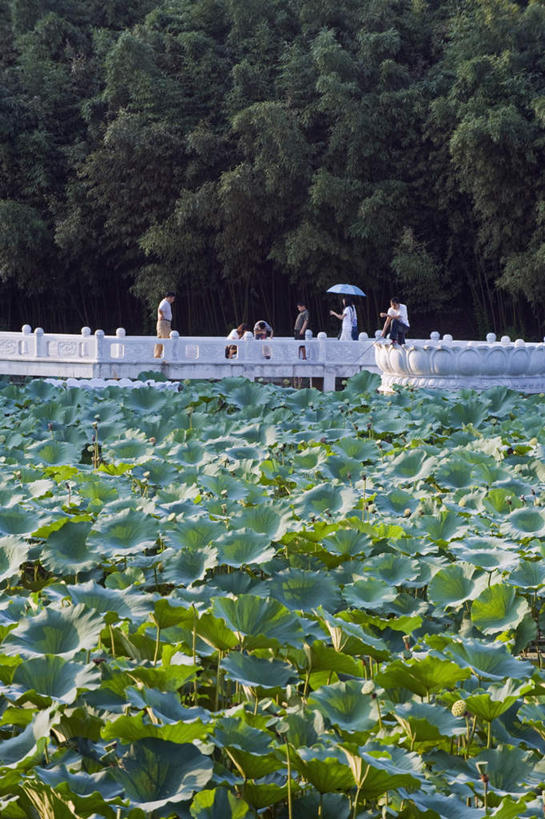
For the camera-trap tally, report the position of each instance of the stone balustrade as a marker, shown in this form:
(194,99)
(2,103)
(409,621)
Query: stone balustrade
(97,355)
(448,364)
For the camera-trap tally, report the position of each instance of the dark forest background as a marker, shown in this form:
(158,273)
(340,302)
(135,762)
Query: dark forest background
(246,152)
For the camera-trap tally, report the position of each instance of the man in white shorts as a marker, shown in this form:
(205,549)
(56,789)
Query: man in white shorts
(397,321)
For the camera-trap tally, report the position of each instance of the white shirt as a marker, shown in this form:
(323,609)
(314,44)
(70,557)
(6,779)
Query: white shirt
(166,309)
(233,335)
(400,313)
(350,320)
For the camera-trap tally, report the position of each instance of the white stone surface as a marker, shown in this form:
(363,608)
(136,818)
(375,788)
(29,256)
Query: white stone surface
(453,365)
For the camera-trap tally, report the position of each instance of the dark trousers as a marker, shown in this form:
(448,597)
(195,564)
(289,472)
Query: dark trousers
(397,331)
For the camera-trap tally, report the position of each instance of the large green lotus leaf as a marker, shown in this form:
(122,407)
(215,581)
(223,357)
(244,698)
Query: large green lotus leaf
(166,678)
(215,632)
(244,547)
(496,700)
(305,591)
(54,453)
(497,608)
(156,472)
(485,553)
(324,767)
(437,806)
(363,383)
(67,550)
(455,474)
(129,729)
(369,593)
(530,574)
(192,534)
(510,771)
(126,533)
(225,485)
(52,676)
(235,732)
(133,446)
(423,722)
(13,553)
(352,638)
(396,502)
(326,658)
(55,631)
(145,399)
(501,501)
(18,521)
(491,661)
(20,751)
(188,565)
(472,411)
(218,804)
(410,465)
(155,773)
(523,523)
(165,705)
(340,468)
(360,449)
(422,676)
(444,525)
(128,604)
(454,584)
(191,453)
(394,569)
(81,784)
(263,519)
(327,500)
(256,672)
(262,795)
(258,622)
(379,769)
(347,543)
(346,706)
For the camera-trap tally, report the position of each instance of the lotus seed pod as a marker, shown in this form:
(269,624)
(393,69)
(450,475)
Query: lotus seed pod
(407,513)
(368,687)
(459,708)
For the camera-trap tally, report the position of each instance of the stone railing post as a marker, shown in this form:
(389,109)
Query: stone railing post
(99,346)
(40,347)
(174,345)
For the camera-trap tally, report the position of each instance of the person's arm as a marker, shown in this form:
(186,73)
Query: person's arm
(304,327)
(337,315)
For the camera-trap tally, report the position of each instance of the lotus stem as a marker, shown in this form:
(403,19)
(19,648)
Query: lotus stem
(157,643)
(218,682)
(489,735)
(288,765)
(112,641)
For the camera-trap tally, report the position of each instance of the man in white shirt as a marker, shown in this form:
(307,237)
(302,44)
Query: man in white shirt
(397,321)
(164,321)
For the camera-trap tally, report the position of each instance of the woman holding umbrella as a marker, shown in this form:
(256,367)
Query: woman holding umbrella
(349,318)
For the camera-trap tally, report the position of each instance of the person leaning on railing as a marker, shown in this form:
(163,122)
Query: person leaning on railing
(164,321)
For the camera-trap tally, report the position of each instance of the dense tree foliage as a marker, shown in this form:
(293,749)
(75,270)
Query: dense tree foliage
(246,151)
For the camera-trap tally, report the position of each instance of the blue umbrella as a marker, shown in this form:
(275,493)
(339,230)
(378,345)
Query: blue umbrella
(346,289)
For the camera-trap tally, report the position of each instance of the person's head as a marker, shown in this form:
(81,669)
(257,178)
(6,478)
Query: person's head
(394,301)
(301,306)
(241,329)
(348,301)
(170,296)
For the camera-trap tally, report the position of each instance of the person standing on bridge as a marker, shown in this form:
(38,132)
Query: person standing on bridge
(164,321)
(349,318)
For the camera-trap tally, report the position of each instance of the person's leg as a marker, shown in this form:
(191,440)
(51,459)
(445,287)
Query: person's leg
(163,331)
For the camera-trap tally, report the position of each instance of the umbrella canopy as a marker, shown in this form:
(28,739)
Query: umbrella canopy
(346,289)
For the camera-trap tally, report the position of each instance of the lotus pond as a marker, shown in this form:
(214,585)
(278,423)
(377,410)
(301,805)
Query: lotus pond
(241,600)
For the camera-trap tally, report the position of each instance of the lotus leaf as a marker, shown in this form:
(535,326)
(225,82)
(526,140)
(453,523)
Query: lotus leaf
(410,466)
(258,622)
(304,591)
(188,565)
(192,534)
(423,722)
(20,751)
(218,803)
(17,521)
(128,604)
(396,502)
(62,632)
(346,706)
(129,729)
(326,500)
(526,522)
(378,770)
(422,676)
(324,767)
(81,784)
(489,661)
(155,773)
(13,553)
(256,672)
(262,519)
(497,608)
(68,551)
(529,574)
(126,533)
(510,771)
(244,547)
(496,700)
(454,584)
(52,676)
(369,593)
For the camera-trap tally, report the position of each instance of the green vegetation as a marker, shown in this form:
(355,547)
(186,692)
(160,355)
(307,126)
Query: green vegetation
(240,600)
(243,151)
